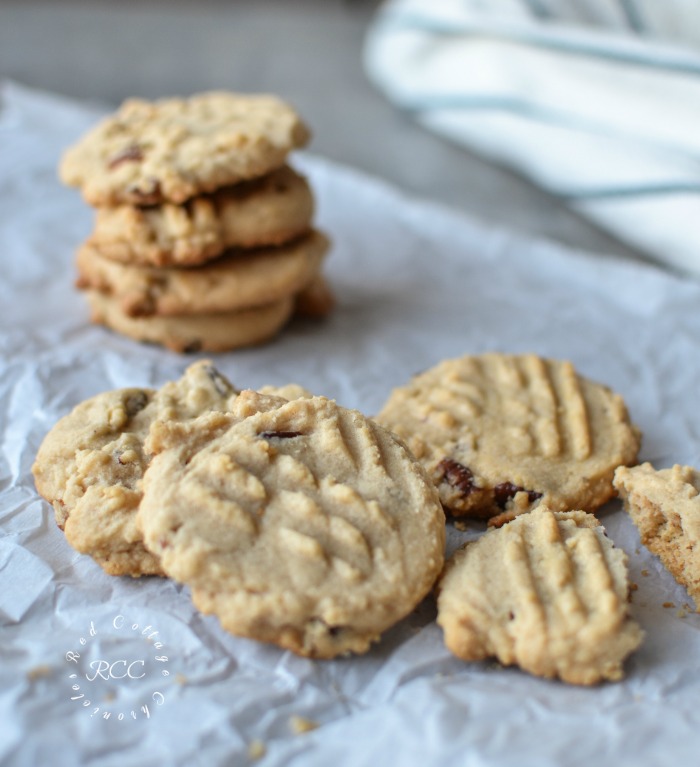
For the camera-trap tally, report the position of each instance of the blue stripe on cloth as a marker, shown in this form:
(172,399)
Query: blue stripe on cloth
(673,61)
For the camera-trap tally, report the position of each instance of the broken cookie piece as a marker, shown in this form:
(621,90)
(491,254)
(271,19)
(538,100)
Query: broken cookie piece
(665,507)
(547,592)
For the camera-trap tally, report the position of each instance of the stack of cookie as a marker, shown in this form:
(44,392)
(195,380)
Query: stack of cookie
(203,237)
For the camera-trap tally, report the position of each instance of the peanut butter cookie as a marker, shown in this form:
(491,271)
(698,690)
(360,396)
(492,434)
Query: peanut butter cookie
(189,333)
(170,150)
(241,279)
(500,434)
(271,210)
(298,523)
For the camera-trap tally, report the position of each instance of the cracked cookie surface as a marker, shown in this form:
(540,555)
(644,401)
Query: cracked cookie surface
(500,434)
(298,523)
(170,150)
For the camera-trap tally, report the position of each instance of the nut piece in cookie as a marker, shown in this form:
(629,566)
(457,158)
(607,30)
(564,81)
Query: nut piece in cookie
(90,465)
(665,507)
(297,523)
(547,592)
(500,434)
(148,153)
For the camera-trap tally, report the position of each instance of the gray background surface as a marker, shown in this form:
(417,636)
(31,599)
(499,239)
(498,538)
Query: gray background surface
(308,51)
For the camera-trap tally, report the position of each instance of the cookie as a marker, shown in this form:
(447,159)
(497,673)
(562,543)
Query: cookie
(170,150)
(90,465)
(665,507)
(195,332)
(239,280)
(298,523)
(547,592)
(268,211)
(500,434)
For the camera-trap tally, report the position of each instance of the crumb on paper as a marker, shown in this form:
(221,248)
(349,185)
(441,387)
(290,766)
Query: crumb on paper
(645,573)
(299,725)
(256,749)
(39,672)
(181,679)
(109,696)
(681,613)
(461,526)
(633,587)
(668,604)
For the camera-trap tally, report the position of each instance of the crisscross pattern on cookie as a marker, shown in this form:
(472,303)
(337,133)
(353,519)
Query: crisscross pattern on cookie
(547,592)
(300,523)
(506,431)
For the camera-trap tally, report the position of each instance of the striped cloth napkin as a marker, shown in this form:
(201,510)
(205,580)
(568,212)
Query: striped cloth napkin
(597,101)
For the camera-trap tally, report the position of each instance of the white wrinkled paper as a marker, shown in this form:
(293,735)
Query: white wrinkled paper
(114,671)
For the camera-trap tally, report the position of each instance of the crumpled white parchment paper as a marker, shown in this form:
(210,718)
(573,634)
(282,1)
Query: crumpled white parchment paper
(416,283)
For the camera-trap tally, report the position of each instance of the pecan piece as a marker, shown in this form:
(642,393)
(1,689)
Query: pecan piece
(456,475)
(506,490)
(148,194)
(132,153)
(136,403)
(222,386)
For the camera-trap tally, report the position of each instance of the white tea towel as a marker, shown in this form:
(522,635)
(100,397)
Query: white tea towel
(597,101)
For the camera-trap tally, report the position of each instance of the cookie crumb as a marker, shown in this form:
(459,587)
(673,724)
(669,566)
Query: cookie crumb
(645,573)
(39,672)
(256,749)
(668,604)
(633,587)
(681,614)
(299,724)
(181,679)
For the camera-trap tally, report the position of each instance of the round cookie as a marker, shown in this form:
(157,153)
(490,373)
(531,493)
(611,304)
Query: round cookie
(298,523)
(548,592)
(238,280)
(500,434)
(90,465)
(173,149)
(267,211)
(195,332)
